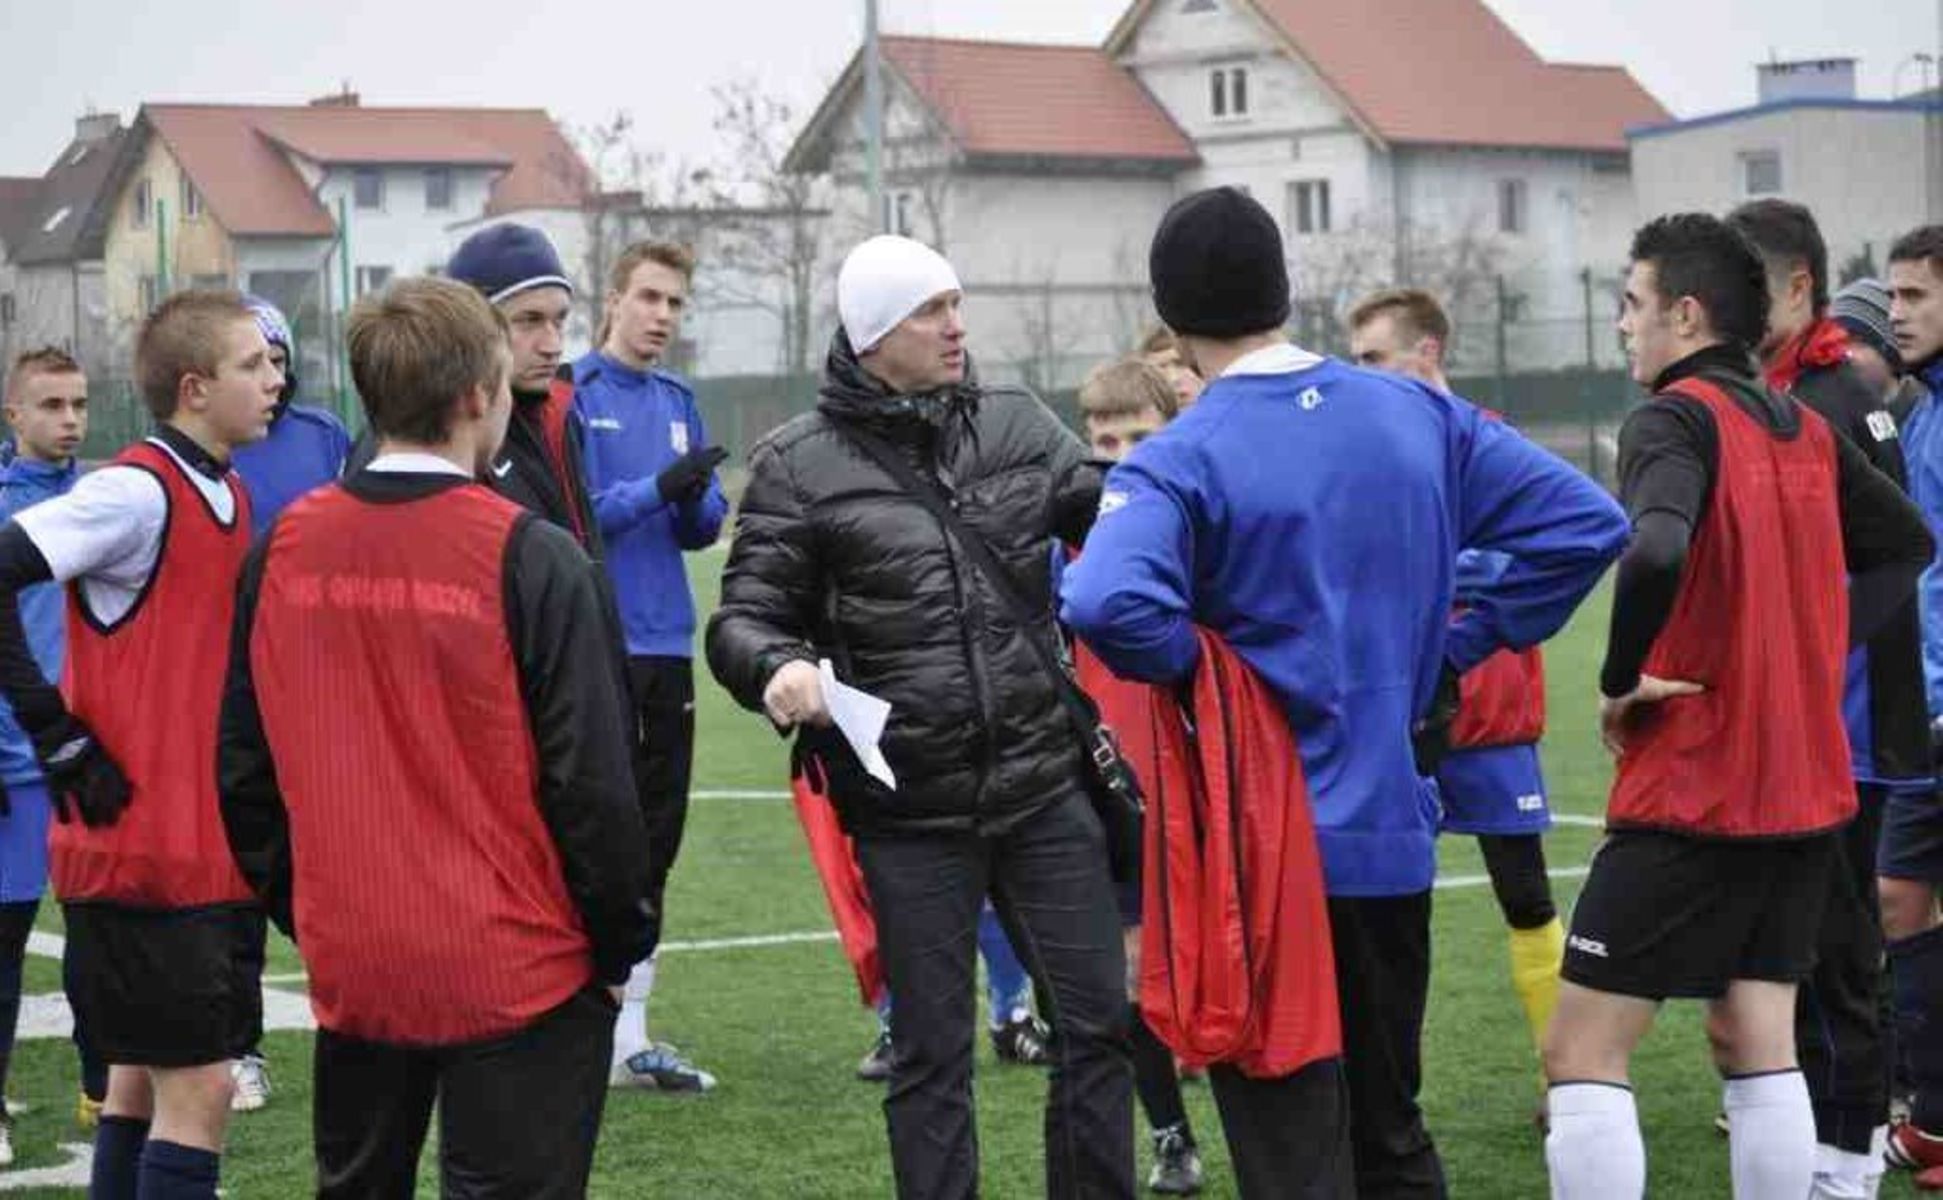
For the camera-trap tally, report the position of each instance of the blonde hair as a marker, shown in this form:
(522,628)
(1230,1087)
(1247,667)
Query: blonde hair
(672,255)
(1127,388)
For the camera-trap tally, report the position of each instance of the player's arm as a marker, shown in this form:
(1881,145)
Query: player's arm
(110,525)
(1557,529)
(771,586)
(1884,538)
(1129,594)
(698,520)
(254,818)
(1669,451)
(576,711)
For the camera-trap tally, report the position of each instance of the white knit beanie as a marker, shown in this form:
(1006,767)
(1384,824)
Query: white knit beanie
(885,280)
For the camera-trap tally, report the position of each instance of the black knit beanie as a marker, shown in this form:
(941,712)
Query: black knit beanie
(1216,266)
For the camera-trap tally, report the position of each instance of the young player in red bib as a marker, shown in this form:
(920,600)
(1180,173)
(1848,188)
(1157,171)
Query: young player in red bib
(1722,691)
(149,548)
(1490,783)
(425,777)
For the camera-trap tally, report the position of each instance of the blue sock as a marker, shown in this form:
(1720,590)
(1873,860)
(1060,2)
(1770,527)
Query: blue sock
(117,1154)
(1005,976)
(175,1172)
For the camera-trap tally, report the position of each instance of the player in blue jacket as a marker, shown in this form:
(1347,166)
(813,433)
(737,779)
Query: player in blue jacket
(1310,513)
(47,409)
(305,448)
(651,471)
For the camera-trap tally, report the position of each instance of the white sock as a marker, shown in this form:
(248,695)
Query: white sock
(631,1027)
(1771,1135)
(1845,1175)
(1594,1150)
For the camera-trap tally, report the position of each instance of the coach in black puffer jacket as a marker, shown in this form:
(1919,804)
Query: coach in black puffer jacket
(832,560)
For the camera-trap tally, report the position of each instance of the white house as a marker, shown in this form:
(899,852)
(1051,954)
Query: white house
(1870,170)
(1394,140)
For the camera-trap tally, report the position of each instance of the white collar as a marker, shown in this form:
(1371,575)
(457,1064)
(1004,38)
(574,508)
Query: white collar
(412,462)
(1283,358)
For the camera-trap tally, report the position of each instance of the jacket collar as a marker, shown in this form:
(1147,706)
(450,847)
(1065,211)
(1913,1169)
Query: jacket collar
(1822,343)
(43,474)
(850,393)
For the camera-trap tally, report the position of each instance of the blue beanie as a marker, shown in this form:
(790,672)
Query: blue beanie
(504,260)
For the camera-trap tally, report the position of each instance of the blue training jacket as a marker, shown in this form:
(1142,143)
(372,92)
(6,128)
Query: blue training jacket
(23,833)
(638,424)
(1922,438)
(1313,520)
(305,449)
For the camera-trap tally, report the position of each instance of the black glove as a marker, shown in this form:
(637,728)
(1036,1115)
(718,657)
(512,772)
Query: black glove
(686,480)
(81,778)
(1936,744)
(6,802)
(1430,737)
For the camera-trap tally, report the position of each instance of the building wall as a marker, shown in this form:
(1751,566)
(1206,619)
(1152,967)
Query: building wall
(167,242)
(1861,170)
(403,235)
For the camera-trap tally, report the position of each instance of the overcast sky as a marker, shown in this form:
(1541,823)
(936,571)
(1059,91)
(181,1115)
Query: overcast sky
(658,59)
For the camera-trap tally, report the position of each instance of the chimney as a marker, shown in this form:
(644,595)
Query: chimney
(94,127)
(343,98)
(1806,79)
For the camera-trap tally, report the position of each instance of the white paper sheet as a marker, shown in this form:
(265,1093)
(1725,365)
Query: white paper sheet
(861,718)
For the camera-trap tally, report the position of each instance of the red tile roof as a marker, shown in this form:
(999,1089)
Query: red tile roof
(1038,101)
(231,154)
(1449,72)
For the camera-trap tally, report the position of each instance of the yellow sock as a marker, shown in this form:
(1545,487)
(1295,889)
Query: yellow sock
(1535,957)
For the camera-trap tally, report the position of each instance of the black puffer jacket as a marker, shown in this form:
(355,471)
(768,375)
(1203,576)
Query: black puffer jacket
(832,560)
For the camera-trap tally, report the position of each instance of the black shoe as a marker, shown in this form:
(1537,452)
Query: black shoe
(1022,1040)
(1177,1166)
(876,1066)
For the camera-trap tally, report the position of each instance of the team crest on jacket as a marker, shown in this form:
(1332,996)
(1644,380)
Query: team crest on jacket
(1112,501)
(1882,426)
(678,436)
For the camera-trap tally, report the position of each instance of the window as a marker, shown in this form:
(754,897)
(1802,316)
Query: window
(1761,172)
(6,309)
(1228,92)
(1309,206)
(1511,206)
(80,152)
(368,188)
(53,222)
(900,213)
(146,293)
(144,202)
(371,279)
(191,200)
(438,188)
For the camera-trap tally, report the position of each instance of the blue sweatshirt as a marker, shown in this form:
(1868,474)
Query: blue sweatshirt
(305,449)
(1922,437)
(638,424)
(1313,520)
(23,834)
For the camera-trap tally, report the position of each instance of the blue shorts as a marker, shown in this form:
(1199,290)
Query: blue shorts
(1497,790)
(1912,837)
(23,843)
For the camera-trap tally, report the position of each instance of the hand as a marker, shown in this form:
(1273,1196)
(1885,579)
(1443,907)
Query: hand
(687,478)
(81,778)
(795,696)
(1430,737)
(1616,711)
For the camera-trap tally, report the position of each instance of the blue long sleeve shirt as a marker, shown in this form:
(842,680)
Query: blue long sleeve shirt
(305,448)
(1922,438)
(638,423)
(1313,519)
(25,482)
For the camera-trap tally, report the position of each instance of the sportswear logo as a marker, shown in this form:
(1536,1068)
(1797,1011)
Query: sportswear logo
(1587,946)
(1111,502)
(1882,426)
(1532,802)
(608,423)
(502,469)
(678,436)
(1310,399)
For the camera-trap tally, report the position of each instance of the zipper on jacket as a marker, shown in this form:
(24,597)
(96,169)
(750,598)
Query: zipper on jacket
(970,614)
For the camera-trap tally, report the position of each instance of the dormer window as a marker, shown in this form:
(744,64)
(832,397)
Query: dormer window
(1228,92)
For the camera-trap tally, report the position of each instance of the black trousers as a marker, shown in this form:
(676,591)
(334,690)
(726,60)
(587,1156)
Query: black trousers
(1047,877)
(1288,1138)
(1841,1017)
(664,755)
(518,1115)
(1383,979)
(252,951)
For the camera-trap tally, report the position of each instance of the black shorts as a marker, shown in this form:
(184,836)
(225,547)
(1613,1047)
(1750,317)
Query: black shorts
(1912,837)
(1663,915)
(161,987)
